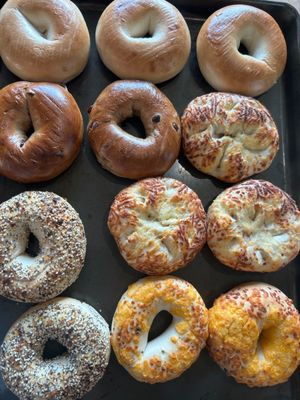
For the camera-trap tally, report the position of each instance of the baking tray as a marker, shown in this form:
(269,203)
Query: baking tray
(91,189)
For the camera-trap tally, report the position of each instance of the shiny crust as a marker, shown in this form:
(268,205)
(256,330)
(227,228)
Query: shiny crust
(122,48)
(62,243)
(229,136)
(174,351)
(254,334)
(126,155)
(158,224)
(74,324)
(224,67)
(52,113)
(254,226)
(43,40)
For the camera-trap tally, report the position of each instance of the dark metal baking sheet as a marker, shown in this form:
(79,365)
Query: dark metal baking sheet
(90,189)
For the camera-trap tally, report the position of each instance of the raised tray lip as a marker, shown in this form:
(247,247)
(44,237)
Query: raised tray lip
(279,5)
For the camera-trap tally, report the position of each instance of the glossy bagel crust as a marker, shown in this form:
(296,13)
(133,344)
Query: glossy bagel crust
(254,334)
(52,113)
(43,40)
(177,348)
(228,70)
(128,54)
(126,155)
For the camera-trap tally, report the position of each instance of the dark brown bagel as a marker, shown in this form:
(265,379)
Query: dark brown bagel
(126,155)
(51,112)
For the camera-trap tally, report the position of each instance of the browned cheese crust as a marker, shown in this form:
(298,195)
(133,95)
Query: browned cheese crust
(254,226)
(175,350)
(124,154)
(254,334)
(229,136)
(51,112)
(228,70)
(143,39)
(158,224)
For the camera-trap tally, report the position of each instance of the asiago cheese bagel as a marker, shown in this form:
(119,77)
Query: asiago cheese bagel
(159,225)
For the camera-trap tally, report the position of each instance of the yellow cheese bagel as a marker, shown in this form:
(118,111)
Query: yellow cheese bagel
(171,353)
(254,334)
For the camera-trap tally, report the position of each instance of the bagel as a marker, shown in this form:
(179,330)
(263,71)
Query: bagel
(254,226)
(221,63)
(74,324)
(141,39)
(62,246)
(41,131)
(170,354)
(254,334)
(124,154)
(159,225)
(229,136)
(43,40)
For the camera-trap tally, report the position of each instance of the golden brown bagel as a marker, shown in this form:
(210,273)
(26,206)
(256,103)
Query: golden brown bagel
(43,40)
(52,113)
(228,70)
(142,39)
(126,155)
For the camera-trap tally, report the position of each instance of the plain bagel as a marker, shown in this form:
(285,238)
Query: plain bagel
(43,40)
(41,131)
(143,39)
(228,70)
(124,154)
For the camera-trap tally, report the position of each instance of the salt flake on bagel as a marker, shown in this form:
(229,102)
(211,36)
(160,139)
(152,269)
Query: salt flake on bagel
(225,67)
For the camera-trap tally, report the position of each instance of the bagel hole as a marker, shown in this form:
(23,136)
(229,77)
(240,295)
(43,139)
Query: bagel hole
(160,323)
(33,246)
(134,127)
(146,35)
(142,28)
(243,49)
(264,339)
(142,35)
(53,349)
